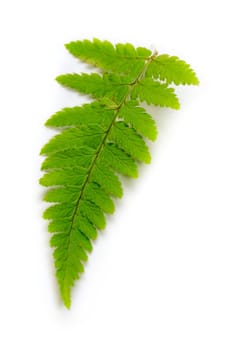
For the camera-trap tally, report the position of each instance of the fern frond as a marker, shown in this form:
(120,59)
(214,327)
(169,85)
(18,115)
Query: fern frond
(172,70)
(100,140)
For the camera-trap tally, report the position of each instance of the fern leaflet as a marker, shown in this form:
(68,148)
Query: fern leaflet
(100,139)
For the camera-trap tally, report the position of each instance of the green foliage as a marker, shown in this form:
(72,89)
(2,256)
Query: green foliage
(100,140)
(153,92)
(139,119)
(91,113)
(97,86)
(172,70)
(122,58)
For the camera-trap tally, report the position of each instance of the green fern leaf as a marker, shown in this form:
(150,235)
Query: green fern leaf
(91,113)
(127,139)
(153,92)
(100,140)
(122,59)
(139,119)
(172,70)
(119,160)
(73,138)
(95,85)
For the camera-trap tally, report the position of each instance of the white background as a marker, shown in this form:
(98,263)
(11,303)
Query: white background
(161,274)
